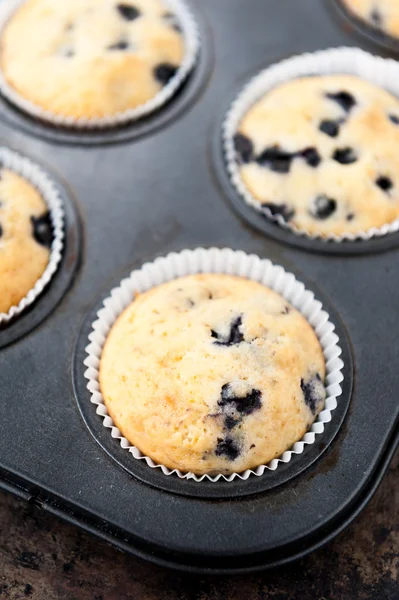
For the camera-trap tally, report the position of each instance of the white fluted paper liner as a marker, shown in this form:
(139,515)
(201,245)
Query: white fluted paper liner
(232,262)
(351,61)
(47,189)
(191,42)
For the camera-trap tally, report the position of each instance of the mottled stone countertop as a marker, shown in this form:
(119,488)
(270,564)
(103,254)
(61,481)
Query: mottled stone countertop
(42,558)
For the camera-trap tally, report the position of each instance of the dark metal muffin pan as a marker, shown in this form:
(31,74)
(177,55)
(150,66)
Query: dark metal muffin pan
(164,191)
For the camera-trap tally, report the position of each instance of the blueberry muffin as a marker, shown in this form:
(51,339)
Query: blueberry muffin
(322,152)
(380,14)
(91,58)
(212,374)
(25,238)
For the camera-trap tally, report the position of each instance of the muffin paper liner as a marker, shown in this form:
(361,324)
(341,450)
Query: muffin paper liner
(231,262)
(48,191)
(351,61)
(192,43)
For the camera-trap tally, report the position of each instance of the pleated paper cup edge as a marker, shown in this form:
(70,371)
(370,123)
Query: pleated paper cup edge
(34,175)
(232,262)
(191,42)
(342,60)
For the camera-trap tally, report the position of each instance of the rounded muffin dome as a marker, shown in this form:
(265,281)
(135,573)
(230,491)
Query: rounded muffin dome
(321,153)
(91,58)
(212,374)
(26,236)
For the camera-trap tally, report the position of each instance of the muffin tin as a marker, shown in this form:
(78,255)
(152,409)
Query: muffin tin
(160,186)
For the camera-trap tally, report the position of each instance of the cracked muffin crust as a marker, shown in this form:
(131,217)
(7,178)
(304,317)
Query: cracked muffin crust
(212,374)
(380,14)
(91,58)
(26,236)
(322,152)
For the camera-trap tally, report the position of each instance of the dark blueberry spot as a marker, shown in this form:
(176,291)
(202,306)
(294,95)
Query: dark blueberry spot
(190,302)
(1,230)
(344,99)
(286,310)
(121,45)
(230,422)
(385,183)
(376,17)
(171,20)
(244,148)
(69,52)
(164,72)
(128,12)
(275,159)
(43,230)
(323,207)
(313,392)
(252,446)
(394,119)
(311,156)
(245,405)
(345,156)
(235,336)
(279,209)
(330,128)
(28,589)
(210,295)
(227,447)
(350,217)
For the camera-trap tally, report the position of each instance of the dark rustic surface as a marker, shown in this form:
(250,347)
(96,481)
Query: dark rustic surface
(42,558)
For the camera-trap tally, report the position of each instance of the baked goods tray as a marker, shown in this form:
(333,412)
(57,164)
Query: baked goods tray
(159,186)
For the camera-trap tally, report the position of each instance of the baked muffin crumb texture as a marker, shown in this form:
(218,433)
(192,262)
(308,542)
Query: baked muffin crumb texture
(322,152)
(26,235)
(212,374)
